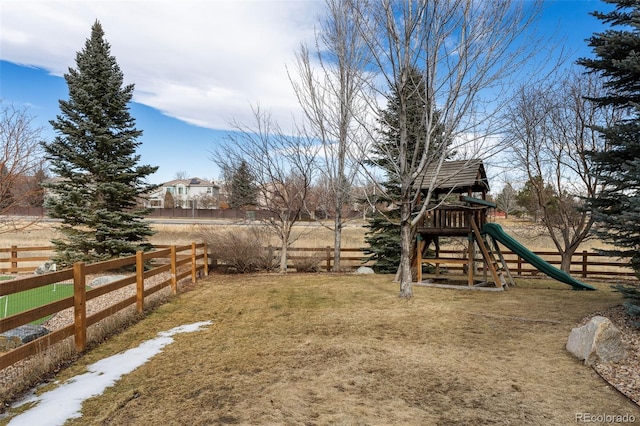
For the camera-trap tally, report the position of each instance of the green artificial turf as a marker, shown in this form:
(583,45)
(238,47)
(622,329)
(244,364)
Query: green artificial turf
(29,299)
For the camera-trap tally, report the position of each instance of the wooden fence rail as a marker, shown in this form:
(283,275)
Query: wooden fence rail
(584,265)
(179,261)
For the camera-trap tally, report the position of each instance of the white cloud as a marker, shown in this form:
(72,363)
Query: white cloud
(200,61)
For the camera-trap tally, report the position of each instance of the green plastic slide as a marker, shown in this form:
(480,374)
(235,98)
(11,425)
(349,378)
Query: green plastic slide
(497,233)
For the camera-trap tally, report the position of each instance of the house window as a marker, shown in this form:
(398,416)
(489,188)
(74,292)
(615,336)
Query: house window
(171,190)
(181,190)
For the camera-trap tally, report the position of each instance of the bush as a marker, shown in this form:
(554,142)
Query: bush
(632,305)
(243,250)
(309,263)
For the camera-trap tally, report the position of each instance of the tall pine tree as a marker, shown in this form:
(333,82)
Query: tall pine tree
(384,237)
(243,190)
(617,208)
(94,155)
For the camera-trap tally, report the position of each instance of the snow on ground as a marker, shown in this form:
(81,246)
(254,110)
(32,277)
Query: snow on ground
(65,402)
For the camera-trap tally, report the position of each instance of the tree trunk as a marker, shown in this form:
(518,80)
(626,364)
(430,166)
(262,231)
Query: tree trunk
(406,286)
(283,255)
(566,257)
(285,233)
(337,241)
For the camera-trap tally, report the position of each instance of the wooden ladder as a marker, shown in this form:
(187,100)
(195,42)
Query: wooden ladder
(490,257)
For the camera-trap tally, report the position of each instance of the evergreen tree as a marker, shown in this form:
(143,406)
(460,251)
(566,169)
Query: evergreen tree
(169,200)
(34,188)
(617,209)
(94,155)
(384,241)
(243,189)
(534,194)
(384,237)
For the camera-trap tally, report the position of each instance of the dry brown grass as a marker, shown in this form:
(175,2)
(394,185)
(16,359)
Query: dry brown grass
(344,349)
(309,234)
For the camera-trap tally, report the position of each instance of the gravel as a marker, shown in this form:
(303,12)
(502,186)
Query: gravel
(624,375)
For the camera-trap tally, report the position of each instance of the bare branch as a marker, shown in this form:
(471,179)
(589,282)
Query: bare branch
(21,166)
(282,166)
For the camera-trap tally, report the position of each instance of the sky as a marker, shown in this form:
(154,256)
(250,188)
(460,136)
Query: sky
(197,65)
(64,402)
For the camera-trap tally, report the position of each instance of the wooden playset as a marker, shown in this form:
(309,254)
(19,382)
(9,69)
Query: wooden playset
(466,179)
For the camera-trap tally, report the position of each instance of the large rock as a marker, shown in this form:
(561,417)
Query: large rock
(598,340)
(20,335)
(45,268)
(364,270)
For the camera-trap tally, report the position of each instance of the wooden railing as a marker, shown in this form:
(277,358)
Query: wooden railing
(177,262)
(585,264)
(23,259)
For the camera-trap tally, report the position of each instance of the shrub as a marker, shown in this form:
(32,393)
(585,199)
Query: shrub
(632,305)
(309,263)
(243,250)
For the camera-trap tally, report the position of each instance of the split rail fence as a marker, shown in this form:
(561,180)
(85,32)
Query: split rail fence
(181,262)
(177,262)
(585,265)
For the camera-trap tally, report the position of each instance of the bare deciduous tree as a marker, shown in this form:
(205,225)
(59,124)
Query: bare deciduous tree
(329,85)
(506,200)
(180,175)
(20,164)
(467,52)
(282,166)
(551,132)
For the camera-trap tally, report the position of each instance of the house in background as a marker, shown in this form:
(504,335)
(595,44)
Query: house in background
(185,193)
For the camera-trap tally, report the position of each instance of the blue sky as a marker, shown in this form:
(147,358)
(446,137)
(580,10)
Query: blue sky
(196,65)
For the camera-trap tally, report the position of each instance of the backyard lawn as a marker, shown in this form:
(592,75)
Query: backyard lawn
(344,349)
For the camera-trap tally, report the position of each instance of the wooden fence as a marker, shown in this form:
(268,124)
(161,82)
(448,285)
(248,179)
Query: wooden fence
(178,261)
(585,265)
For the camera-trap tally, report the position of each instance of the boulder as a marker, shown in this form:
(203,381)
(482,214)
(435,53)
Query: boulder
(364,270)
(598,340)
(20,335)
(45,268)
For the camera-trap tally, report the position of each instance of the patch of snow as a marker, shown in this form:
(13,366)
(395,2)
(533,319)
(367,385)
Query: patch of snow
(65,402)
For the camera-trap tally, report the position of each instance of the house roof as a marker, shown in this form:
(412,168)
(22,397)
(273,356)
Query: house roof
(194,181)
(456,176)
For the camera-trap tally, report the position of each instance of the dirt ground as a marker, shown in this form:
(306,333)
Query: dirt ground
(344,349)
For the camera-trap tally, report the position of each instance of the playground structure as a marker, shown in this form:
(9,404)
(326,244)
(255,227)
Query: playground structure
(467,218)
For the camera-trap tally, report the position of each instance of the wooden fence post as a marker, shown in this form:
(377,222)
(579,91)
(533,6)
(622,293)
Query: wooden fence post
(14,255)
(206,259)
(519,269)
(585,257)
(174,270)
(194,269)
(139,282)
(328,258)
(79,307)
